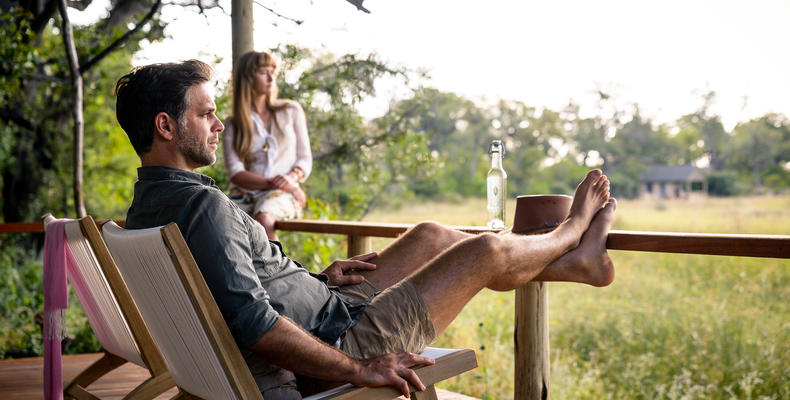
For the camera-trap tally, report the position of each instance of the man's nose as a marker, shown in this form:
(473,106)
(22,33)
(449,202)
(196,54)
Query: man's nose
(218,126)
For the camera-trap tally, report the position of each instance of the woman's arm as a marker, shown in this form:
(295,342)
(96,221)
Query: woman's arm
(237,173)
(304,157)
(251,180)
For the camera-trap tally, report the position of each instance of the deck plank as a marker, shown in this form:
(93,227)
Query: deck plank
(21,379)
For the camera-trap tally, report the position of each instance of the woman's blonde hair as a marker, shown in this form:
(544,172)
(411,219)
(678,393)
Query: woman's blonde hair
(243,94)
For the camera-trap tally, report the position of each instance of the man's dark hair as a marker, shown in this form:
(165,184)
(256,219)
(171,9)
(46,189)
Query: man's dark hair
(149,90)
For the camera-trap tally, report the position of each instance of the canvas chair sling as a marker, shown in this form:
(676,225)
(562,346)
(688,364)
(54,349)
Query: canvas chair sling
(111,313)
(188,327)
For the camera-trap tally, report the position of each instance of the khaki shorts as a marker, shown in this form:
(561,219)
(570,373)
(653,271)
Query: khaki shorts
(397,320)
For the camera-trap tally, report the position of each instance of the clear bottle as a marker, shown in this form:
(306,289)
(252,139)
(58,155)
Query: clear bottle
(496,184)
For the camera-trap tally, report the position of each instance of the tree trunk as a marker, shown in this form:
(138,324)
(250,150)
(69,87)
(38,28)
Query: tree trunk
(79,123)
(242,28)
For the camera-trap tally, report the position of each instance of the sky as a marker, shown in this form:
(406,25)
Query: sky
(661,55)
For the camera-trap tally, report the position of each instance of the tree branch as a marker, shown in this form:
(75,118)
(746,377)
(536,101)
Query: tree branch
(358,5)
(367,141)
(118,42)
(296,21)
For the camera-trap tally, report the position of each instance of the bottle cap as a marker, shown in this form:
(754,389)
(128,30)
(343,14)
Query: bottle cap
(496,145)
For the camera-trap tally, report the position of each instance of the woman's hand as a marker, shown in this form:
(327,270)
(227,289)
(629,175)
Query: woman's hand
(300,196)
(284,183)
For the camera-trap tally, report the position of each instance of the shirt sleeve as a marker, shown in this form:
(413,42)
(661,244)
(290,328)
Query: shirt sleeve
(233,165)
(220,244)
(304,157)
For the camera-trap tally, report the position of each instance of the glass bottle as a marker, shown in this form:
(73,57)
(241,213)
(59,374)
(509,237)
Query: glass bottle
(496,184)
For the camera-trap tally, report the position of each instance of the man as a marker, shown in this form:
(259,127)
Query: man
(362,319)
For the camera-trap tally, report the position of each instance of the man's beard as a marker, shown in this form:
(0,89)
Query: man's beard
(196,153)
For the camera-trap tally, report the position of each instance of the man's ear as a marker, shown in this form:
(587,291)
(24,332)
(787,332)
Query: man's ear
(165,126)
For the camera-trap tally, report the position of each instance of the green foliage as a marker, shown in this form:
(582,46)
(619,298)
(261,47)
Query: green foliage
(760,149)
(21,298)
(355,163)
(721,183)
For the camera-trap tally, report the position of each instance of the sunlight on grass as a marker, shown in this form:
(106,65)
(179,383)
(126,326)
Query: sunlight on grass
(670,327)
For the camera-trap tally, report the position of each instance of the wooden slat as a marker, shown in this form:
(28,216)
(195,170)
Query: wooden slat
(447,366)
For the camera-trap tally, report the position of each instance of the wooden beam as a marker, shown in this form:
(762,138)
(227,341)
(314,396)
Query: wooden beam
(773,246)
(745,245)
(356,228)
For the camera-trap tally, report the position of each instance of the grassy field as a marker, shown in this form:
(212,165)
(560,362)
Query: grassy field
(669,327)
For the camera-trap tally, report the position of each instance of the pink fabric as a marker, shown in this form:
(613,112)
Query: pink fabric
(57,259)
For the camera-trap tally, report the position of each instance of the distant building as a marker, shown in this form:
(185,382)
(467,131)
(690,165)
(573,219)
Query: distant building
(673,181)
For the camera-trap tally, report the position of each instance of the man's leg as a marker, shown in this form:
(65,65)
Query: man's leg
(420,244)
(505,262)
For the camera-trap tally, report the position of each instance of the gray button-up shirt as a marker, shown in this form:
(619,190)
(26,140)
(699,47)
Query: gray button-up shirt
(250,277)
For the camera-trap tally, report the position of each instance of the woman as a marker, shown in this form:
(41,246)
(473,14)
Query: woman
(267,150)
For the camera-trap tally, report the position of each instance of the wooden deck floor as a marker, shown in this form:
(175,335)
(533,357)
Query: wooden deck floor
(22,379)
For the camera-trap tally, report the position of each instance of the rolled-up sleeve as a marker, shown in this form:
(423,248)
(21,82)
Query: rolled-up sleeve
(220,244)
(233,164)
(304,157)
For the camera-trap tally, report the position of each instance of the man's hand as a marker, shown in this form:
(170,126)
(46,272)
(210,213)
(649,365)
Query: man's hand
(336,272)
(392,370)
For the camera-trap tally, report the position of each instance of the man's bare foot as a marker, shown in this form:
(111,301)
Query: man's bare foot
(589,263)
(590,196)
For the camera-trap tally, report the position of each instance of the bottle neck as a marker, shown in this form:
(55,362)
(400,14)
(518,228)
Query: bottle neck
(496,159)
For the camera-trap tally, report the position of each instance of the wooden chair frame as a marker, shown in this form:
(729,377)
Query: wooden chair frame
(160,380)
(230,357)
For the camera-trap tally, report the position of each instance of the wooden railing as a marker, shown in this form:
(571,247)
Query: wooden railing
(531,337)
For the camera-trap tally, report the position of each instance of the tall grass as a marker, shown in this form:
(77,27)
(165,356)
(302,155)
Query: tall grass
(669,327)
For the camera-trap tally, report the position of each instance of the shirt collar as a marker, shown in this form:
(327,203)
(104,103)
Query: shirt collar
(169,173)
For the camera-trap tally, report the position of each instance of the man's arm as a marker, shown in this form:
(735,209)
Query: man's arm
(292,348)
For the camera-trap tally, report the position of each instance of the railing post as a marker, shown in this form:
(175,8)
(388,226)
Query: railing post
(359,245)
(534,215)
(532,342)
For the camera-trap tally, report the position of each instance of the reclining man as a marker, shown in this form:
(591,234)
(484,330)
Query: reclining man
(361,320)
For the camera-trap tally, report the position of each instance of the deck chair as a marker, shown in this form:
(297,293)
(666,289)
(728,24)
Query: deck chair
(194,339)
(112,315)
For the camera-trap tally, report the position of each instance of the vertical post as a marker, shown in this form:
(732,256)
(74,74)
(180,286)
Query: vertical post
(241,28)
(359,245)
(532,342)
(534,215)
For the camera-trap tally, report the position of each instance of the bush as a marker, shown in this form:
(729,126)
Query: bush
(722,183)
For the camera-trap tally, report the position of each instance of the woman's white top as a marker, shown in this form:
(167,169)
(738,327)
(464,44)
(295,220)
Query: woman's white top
(272,154)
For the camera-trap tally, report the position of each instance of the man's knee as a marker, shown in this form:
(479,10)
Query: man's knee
(429,229)
(491,247)
(266,219)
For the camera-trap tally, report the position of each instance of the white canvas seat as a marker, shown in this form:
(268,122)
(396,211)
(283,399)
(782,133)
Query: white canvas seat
(195,341)
(111,313)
